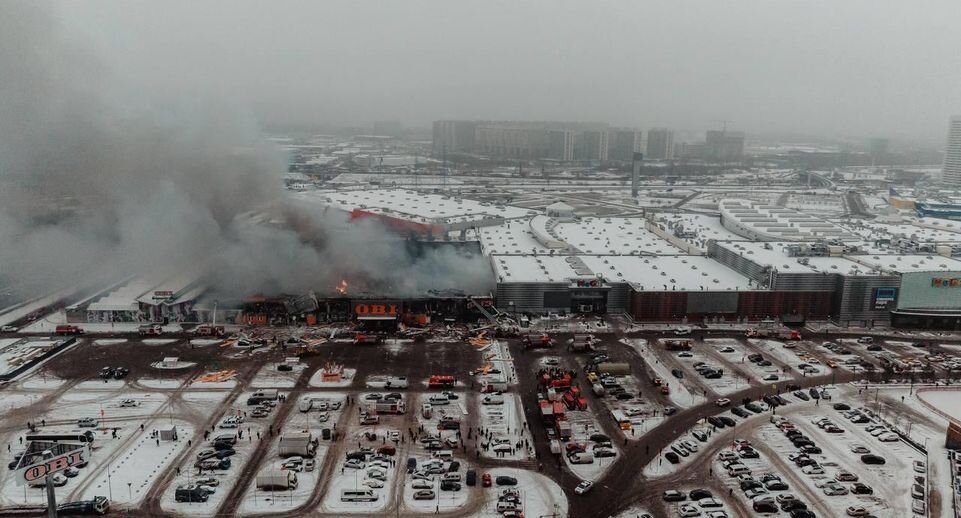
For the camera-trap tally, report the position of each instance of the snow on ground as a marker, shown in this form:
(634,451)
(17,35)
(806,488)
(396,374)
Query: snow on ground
(16,352)
(109,341)
(583,425)
(269,376)
(101,384)
(891,482)
(158,341)
(643,413)
(42,381)
(131,466)
(373,436)
(505,424)
(680,395)
(248,431)
(179,364)
(121,453)
(790,354)
(739,357)
(257,500)
(728,383)
(539,495)
(346,379)
(204,342)
(160,383)
(49,323)
(947,401)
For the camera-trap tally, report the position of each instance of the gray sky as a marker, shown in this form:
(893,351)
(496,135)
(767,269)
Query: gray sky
(852,67)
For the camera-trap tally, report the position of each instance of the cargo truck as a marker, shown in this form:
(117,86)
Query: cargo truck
(276,479)
(296,443)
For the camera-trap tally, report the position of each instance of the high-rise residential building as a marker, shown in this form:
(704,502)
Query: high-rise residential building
(660,144)
(724,146)
(453,137)
(564,141)
(622,143)
(952,154)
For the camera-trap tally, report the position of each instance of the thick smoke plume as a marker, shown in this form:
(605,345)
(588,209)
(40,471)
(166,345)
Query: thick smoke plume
(98,182)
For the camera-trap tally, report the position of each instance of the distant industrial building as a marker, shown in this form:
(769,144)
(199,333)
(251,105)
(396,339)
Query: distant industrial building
(952,155)
(660,144)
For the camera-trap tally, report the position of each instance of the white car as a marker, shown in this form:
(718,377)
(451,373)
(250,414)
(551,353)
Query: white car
(127,403)
(8,329)
(812,470)
(889,437)
(723,402)
(687,511)
(323,417)
(374,483)
(583,487)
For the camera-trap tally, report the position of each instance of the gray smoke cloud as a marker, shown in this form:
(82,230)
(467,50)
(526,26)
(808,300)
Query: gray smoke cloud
(98,182)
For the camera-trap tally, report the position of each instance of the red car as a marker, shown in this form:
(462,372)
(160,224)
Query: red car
(486,480)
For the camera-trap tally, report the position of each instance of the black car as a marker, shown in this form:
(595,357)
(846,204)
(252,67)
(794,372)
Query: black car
(503,480)
(802,396)
(841,406)
(471,478)
(727,420)
(120,373)
(749,484)
(776,485)
(749,453)
(697,494)
(716,421)
(450,485)
(872,459)
(810,449)
(411,462)
(874,348)
(674,496)
(106,372)
(770,401)
(753,408)
(740,412)
(669,410)
(814,393)
(672,457)
(678,373)
(802,513)
(765,506)
(793,505)
(860,488)
(224,453)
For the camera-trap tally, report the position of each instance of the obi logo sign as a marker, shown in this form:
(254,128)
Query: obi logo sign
(386,310)
(50,466)
(945,282)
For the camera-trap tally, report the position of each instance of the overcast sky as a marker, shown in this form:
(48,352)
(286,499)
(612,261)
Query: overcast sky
(860,68)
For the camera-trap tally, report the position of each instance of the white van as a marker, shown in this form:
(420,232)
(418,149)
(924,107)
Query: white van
(493,399)
(438,399)
(443,454)
(738,469)
(450,477)
(426,410)
(358,495)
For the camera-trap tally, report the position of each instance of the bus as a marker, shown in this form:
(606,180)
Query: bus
(622,420)
(358,495)
(85,437)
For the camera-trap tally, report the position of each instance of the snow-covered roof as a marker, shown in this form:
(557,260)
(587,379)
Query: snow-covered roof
(912,263)
(775,255)
(773,223)
(647,273)
(421,207)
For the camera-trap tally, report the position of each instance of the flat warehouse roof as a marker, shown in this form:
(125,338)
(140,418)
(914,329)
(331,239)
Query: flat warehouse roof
(650,273)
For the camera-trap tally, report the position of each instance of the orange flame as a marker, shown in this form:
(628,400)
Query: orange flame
(342,287)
